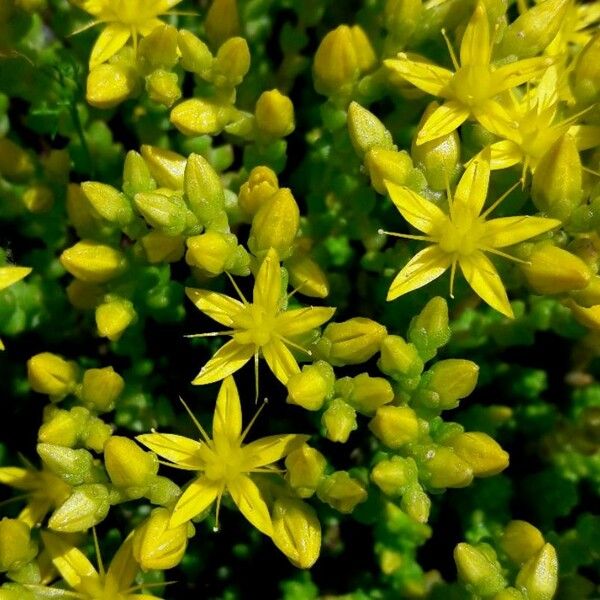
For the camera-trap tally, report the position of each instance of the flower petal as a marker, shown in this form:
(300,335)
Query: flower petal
(422,214)
(280,360)
(249,500)
(300,320)
(123,567)
(507,231)
(111,39)
(198,496)
(475,46)
(227,360)
(472,188)
(10,275)
(423,268)
(586,136)
(227,422)
(427,77)
(443,120)
(504,154)
(270,449)
(35,511)
(147,27)
(494,118)
(182,451)
(16,477)
(267,288)
(514,74)
(219,307)
(483,278)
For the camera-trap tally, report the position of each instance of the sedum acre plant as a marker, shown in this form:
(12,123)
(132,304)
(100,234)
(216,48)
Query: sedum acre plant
(252,159)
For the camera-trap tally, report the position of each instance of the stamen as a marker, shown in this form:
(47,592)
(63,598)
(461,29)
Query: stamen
(450,50)
(195,421)
(84,28)
(297,288)
(452,274)
(421,238)
(210,334)
(501,199)
(237,289)
(505,255)
(289,342)
(176,466)
(218,510)
(143,586)
(101,570)
(253,419)
(588,170)
(256,377)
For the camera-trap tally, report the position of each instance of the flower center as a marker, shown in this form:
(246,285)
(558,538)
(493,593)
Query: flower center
(461,236)
(471,85)
(257,326)
(227,465)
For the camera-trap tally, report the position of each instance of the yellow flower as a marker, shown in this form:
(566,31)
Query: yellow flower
(224,463)
(259,327)
(470,90)
(461,237)
(8,275)
(124,19)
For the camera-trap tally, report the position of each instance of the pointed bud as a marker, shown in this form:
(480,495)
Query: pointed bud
(232,62)
(127,464)
(204,193)
(341,492)
(451,380)
(80,212)
(395,426)
(392,475)
(588,317)
(72,466)
(261,185)
(85,507)
(166,167)
(195,55)
(365,393)
(589,295)
(51,374)
(484,455)
(478,569)
(16,546)
(429,330)
(306,275)
(163,87)
(200,117)
(416,503)
(222,21)
(214,252)
(538,578)
(101,388)
(114,317)
(387,165)
(61,427)
(160,247)
(108,202)
(362,45)
(274,114)
(84,296)
(399,359)
(311,387)
(158,50)
(15,163)
(93,262)
(136,175)
(305,468)
(401,18)
(339,421)
(521,541)
(366,130)
(110,84)
(443,468)
(336,66)
(587,73)
(38,199)
(166,212)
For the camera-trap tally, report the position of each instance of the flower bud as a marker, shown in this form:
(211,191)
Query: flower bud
(195,55)
(15,163)
(362,45)
(336,66)
(108,202)
(538,577)
(367,131)
(443,468)
(296,531)
(114,317)
(589,317)
(305,468)
(136,175)
(586,76)
(109,84)
(204,193)
(163,87)
(556,187)
(402,18)
(162,248)
(74,467)
(61,427)
(158,50)
(351,342)
(51,374)
(96,433)
(212,252)
(101,388)
(84,296)
(429,330)
(127,464)
(274,114)
(166,212)
(387,165)
(222,21)
(16,546)
(166,167)
(38,198)
(80,212)
(339,421)
(452,380)
(232,62)
(392,475)
(589,295)
(311,387)
(552,270)
(85,507)
(365,393)
(484,455)
(521,541)
(395,426)
(416,503)
(261,185)
(478,569)
(275,225)
(399,358)
(158,546)
(15,591)
(341,492)
(306,275)
(199,117)
(93,262)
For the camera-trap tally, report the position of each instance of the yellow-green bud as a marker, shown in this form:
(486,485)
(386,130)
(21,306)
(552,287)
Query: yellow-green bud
(351,342)
(16,545)
(552,270)
(232,62)
(114,317)
(445,469)
(163,87)
(305,468)
(261,185)
(366,130)
(85,507)
(165,211)
(399,358)
(311,387)
(588,316)
(481,452)
(479,569)
(416,503)
(128,466)
(195,55)
(521,541)
(538,578)
(136,175)
(80,212)
(274,114)
(395,426)
(108,202)
(275,225)
(307,275)
(364,50)
(341,492)
(586,75)
(15,162)
(84,296)
(556,186)
(158,50)
(109,84)
(166,167)
(402,17)
(589,295)
(96,433)
(222,21)
(296,531)
(73,466)
(339,421)
(101,388)
(51,374)
(212,252)
(387,165)
(199,117)
(160,247)
(439,158)
(93,262)
(429,330)
(204,193)
(61,427)
(452,380)
(365,393)
(38,198)
(391,475)
(158,546)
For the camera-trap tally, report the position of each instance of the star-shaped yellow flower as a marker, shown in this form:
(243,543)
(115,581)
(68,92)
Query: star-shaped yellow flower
(224,463)
(461,237)
(125,19)
(8,275)
(471,90)
(260,327)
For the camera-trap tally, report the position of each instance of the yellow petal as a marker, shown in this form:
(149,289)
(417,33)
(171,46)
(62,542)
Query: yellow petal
(123,567)
(495,119)
(482,276)
(475,46)
(10,275)
(267,288)
(419,212)
(249,500)
(444,120)
(35,511)
(70,562)
(514,74)
(111,39)
(182,451)
(546,92)
(507,231)
(586,136)
(219,307)
(280,360)
(16,477)
(423,268)
(472,188)
(147,27)
(300,320)
(504,154)
(142,597)
(227,360)
(227,422)
(427,77)
(198,496)
(270,449)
